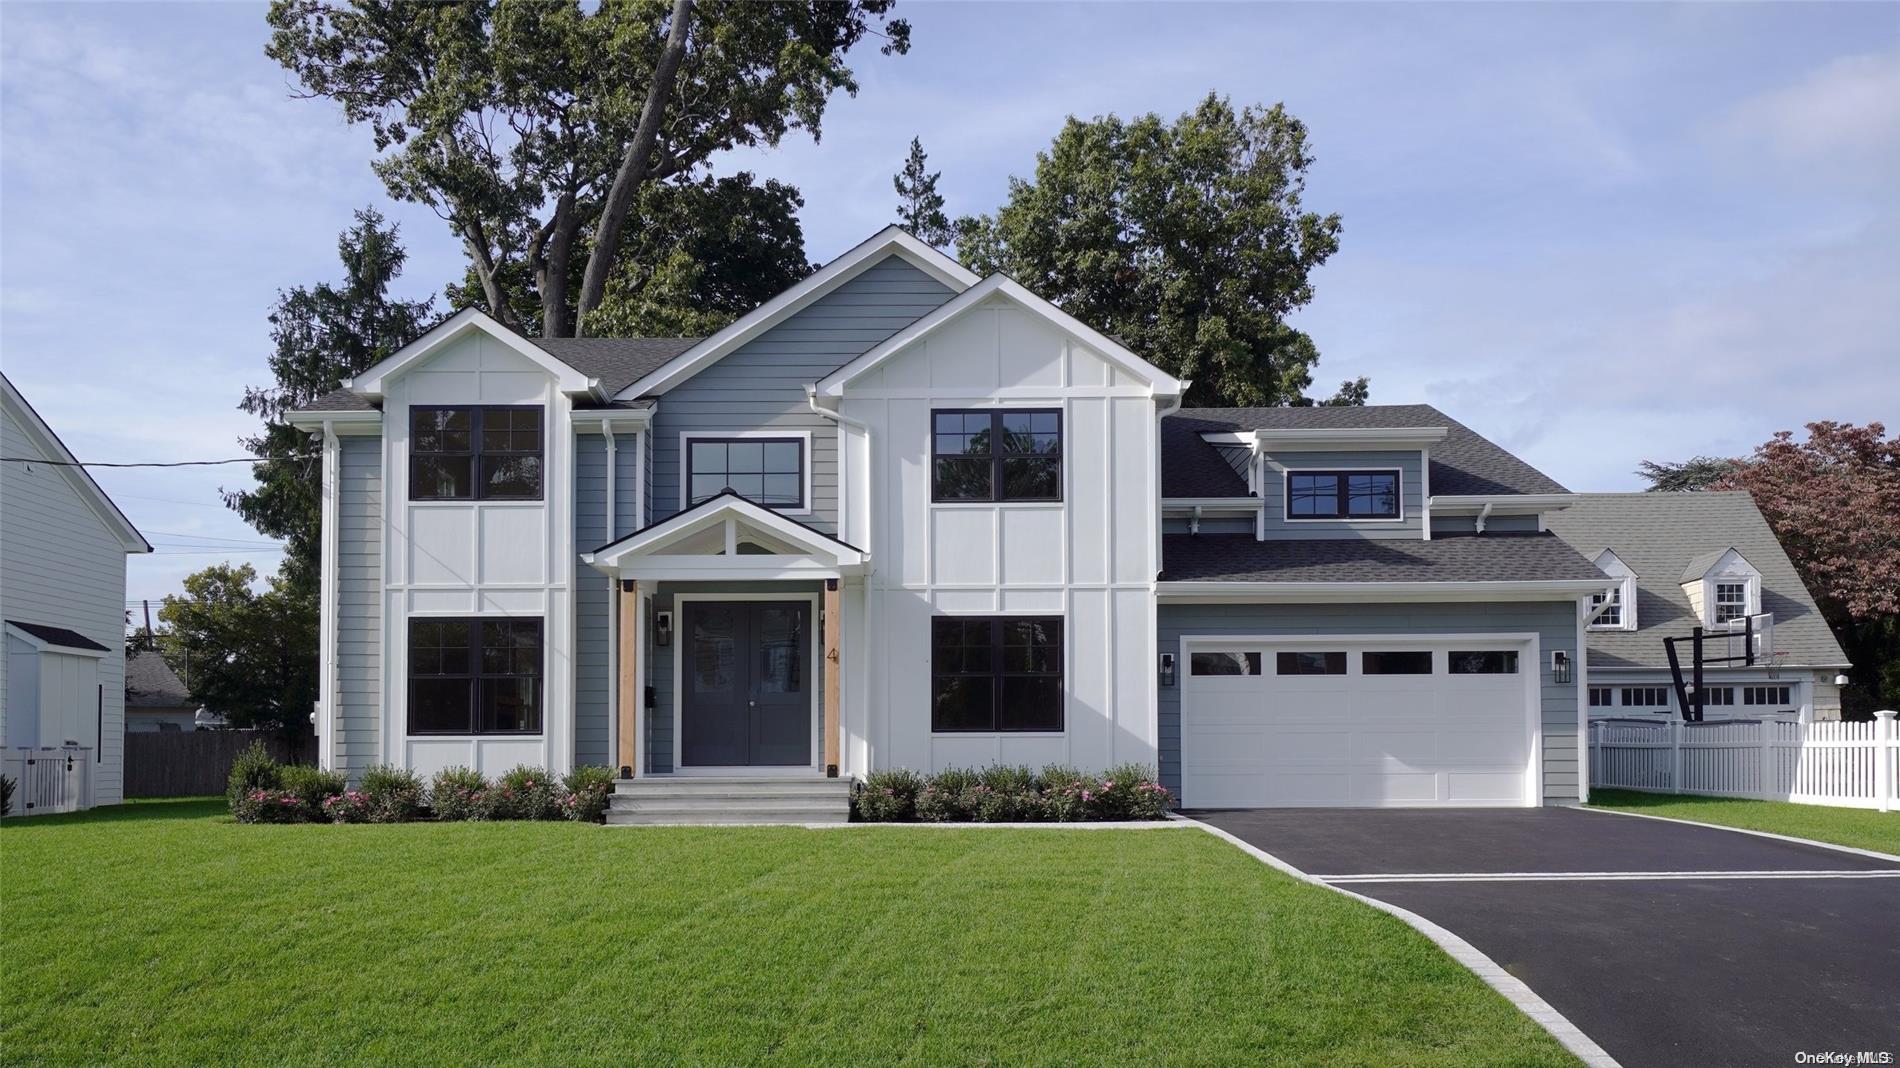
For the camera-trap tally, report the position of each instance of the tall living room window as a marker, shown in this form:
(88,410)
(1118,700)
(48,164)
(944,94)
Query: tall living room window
(474,676)
(491,453)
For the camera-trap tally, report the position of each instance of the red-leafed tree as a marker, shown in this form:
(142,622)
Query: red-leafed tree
(1834,501)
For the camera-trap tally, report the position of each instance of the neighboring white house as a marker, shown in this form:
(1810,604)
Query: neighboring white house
(903,516)
(63,545)
(156,698)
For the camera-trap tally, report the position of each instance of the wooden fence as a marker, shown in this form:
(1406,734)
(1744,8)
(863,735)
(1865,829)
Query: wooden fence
(194,763)
(1851,765)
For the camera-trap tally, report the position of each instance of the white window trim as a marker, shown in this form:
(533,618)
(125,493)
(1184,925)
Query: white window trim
(1286,495)
(1751,596)
(1613,566)
(687,437)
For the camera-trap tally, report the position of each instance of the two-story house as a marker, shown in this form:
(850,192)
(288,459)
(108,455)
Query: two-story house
(902,516)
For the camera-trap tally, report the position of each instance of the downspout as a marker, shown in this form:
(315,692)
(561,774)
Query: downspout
(1194,525)
(330,683)
(1484,514)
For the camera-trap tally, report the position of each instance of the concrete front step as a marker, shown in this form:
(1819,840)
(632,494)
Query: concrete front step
(729,799)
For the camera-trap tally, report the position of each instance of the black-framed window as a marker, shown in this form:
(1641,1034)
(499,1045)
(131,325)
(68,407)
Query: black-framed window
(491,453)
(1396,662)
(1602,697)
(474,676)
(1303,663)
(996,673)
(1213,663)
(1718,695)
(1766,695)
(996,454)
(1646,696)
(1482,661)
(767,471)
(1342,494)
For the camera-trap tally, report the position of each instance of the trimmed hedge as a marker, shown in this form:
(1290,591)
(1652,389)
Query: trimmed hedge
(1011,794)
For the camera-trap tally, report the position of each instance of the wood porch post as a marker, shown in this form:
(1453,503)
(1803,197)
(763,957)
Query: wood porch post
(629,703)
(834,681)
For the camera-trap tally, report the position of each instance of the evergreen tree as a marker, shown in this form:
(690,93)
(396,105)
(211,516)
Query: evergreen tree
(919,205)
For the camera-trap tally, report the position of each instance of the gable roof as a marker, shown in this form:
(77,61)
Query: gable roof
(998,285)
(371,381)
(890,241)
(151,683)
(726,504)
(616,362)
(61,459)
(1464,463)
(1658,535)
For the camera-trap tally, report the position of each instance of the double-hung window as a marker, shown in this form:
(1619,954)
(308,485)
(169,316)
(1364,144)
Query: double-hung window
(996,454)
(474,676)
(1731,601)
(488,453)
(996,673)
(1610,618)
(1342,495)
(767,471)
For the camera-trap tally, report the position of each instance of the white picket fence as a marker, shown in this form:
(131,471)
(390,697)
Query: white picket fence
(49,780)
(1851,765)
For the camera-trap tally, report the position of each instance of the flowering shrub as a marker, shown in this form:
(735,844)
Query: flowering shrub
(584,798)
(1008,794)
(350,806)
(394,794)
(459,794)
(525,793)
(887,796)
(270,806)
(253,769)
(311,785)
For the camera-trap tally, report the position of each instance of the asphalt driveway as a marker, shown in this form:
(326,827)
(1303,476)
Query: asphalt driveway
(1668,944)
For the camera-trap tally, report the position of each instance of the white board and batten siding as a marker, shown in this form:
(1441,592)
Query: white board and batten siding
(61,565)
(1090,558)
(479,558)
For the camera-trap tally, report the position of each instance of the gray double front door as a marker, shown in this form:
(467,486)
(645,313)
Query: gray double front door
(745,691)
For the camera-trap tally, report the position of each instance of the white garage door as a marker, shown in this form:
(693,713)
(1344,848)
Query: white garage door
(1370,723)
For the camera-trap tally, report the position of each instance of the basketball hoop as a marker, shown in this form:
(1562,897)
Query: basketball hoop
(1774,664)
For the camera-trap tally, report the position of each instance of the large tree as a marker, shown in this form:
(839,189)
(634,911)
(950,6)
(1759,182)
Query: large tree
(1189,240)
(1697,473)
(250,657)
(698,254)
(534,128)
(919,204)
(321,335)
(1834,503)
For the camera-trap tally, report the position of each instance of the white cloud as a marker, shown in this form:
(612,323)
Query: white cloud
(1843,116)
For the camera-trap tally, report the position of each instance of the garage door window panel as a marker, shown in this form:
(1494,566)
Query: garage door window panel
(1224,663)
(1482,661)
(1309,663)
(1396,662)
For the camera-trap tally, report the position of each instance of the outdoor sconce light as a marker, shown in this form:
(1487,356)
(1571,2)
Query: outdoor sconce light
(1559,666)
(1167,669)
(662,629)
(1840,680)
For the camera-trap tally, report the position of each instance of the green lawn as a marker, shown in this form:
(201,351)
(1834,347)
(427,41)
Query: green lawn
(162,932)
(1858,827)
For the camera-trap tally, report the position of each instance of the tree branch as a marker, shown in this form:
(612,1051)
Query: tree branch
(633,167)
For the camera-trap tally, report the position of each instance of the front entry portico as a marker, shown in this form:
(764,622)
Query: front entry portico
(727,629)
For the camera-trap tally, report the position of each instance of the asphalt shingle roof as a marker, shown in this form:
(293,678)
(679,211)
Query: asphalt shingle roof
(1657,535)
(1460,558)
(60,636)
(618,362)
(1464,463)
(151,683)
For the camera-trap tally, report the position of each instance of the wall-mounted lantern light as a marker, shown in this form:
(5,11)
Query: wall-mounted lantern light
(1559,666)
(662,629)
(1840,680)
(1167,669)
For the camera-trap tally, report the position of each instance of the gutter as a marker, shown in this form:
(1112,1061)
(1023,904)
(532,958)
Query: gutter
(1204,591)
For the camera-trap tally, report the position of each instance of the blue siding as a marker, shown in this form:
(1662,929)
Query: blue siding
(593,688)
(1554,622)
(1411,493)
(762,384)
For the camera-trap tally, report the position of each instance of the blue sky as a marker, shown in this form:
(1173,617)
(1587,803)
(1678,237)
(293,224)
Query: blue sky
(1595,233)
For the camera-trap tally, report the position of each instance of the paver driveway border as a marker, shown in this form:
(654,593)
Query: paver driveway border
(1513,989)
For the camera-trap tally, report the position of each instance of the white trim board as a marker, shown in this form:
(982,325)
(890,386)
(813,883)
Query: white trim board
(374,381)
(1513,989)
(60,458)
(886,242)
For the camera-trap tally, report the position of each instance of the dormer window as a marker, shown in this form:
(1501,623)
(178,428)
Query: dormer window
(1731,602)
(1723,588)
(1342,495)
(1614,608)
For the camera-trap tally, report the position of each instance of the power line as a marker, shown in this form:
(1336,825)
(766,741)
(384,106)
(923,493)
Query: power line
(213,537)
(173,463)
